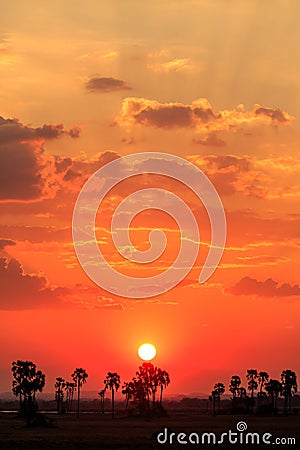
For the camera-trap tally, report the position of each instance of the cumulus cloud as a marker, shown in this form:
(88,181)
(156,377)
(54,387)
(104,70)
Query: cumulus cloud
(222,163)
(199,115)
(12,130)
(71,169)
(274,113)
(224,170)
(267,288)
(24,167)
(23,291)
(106,84)
(259,178)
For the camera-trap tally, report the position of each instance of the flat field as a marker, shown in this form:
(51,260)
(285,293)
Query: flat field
(96,431)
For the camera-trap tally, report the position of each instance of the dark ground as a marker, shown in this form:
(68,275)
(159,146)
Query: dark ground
(96,431)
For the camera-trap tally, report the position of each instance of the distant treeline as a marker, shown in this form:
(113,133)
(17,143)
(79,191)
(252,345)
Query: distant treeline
(262,394)
(140,394)
(143,395)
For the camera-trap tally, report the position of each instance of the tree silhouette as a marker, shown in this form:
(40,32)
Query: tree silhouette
(252,383)
(128,391)
(289,387)
(112,382)
(216,393)
(140,395)
(79,377)
(59,393)
(262,377)
(69,388)
(102,396)
(273,388)
(234,386)
(163,381)
(27,381)
(148,375)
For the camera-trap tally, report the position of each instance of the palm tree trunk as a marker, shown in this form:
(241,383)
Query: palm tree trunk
(113,403)
(71,400)
(78,399)
(161,392)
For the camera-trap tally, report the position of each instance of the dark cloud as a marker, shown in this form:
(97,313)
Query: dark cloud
(168,117)
(12,130)
(25,169)
(20,171)
(50,132)
(74,132)
(6,242)
(267,288)
(198,115)
(106,84)
(62,164)
(223,170)
(89,166)
(274,113)
(70,175)
(210,141)
(22,291)
(226,163)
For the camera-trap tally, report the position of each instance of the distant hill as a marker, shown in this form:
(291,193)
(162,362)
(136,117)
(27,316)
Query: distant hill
(92,394)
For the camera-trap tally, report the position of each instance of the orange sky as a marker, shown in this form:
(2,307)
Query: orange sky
(211,81)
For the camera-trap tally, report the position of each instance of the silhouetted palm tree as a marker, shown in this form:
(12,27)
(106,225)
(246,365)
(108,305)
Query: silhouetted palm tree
(128,391)
(112,382)
(140,394)
(242,393)
(69,388)
(234,386)
(27,381)
(216,393)
(273,388)
(151,377)
(102,396)
(289,387)
(263,377)
(144,375)
(252,383)
(163,381)
(59,393)
(79,377)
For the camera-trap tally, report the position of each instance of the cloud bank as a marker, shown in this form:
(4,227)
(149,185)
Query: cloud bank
(267,288)
(199,115)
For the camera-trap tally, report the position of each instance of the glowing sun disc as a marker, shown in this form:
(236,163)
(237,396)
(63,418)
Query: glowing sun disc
(146,352)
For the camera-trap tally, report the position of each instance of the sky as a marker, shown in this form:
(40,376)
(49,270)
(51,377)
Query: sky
(85,83)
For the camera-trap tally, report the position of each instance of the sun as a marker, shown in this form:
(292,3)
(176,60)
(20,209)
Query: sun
(146,352)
